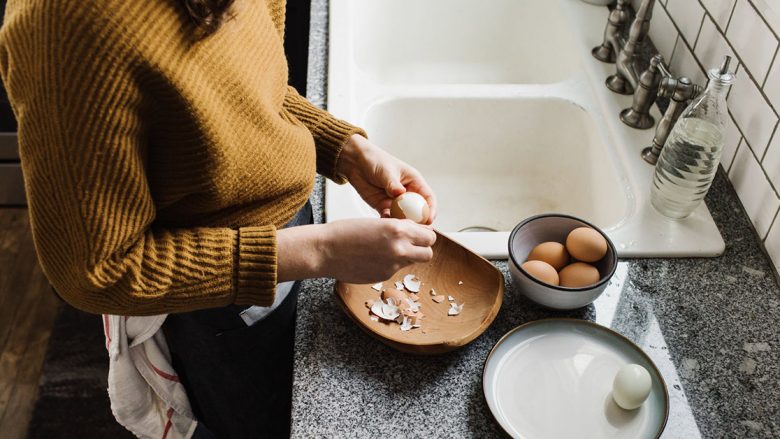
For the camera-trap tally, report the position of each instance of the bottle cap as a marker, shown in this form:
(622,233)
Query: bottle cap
(722,74)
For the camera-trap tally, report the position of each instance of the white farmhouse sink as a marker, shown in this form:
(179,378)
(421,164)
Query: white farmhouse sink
(505,112)
(462,41)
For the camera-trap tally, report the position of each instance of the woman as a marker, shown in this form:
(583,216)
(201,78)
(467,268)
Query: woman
(163,155)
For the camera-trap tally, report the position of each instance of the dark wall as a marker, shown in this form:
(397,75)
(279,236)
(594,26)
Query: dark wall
(296,42)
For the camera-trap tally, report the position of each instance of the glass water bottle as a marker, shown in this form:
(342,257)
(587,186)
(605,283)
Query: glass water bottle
(690,156)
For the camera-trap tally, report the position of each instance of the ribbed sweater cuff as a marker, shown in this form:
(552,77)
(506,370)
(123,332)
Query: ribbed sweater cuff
(331,135)
(256,279)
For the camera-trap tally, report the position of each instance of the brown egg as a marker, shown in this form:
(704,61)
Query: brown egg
(586,244)
(554,253)
(579,274)
(542,271)
(398,296)
(410,205)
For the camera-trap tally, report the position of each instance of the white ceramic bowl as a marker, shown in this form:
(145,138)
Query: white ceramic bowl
(555,227)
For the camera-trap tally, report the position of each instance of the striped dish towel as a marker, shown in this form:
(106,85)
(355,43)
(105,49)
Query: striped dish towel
(146,395)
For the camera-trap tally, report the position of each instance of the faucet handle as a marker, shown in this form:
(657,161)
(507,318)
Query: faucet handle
(680,89)
(638,116)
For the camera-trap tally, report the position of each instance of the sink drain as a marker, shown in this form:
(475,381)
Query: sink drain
(477,229)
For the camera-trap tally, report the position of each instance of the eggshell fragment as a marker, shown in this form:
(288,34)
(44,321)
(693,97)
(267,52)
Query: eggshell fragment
(579,274)
(541,271)
(386,311)
(554,253)
(398,297)
(411,306)
(377,286)
(412,283)
(438,299)
(586,244)
(412,206)
(399,285)
(455,309)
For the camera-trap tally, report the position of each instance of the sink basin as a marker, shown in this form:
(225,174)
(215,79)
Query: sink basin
(462,41)
(493,161)
(505,112)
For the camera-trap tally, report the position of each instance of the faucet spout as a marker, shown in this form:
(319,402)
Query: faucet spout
(618,19)
(626,77)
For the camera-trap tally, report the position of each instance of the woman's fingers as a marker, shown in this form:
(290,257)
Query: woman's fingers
(419,254)
(419,235)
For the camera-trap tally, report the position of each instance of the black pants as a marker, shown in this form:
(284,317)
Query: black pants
(238,378)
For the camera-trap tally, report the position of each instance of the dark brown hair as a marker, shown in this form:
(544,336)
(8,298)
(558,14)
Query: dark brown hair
(207,14)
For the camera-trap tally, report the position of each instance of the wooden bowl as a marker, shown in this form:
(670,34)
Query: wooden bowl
(482,292)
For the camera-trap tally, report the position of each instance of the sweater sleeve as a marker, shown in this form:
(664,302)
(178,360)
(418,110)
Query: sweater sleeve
(330,134)
(82,146)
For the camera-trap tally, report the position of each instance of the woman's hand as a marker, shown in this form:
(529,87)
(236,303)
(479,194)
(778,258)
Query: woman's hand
(379,177)
(363,250)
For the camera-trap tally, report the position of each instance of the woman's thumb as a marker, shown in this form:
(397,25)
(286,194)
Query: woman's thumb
(394,187)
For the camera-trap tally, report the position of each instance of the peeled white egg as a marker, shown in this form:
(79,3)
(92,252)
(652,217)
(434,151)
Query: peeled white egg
(631,386)
(410,205)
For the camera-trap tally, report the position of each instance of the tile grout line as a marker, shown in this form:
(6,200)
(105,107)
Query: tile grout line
(681,37)
(766,150)
(728,22)
(761,16)
(771,65)
(747,71)
(734,159)
(769,229)
(744,139)
(698,33)
(753,153)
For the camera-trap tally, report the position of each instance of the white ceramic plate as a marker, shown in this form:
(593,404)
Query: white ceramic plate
(552,378)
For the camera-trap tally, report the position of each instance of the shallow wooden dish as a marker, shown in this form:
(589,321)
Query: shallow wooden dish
(482,292)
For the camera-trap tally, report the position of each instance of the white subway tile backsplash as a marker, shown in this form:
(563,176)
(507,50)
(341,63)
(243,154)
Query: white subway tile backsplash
(720,11)
(731,139)
(752,39)
(771,163)
(684,64)
(687,14)
(752,112)
(772,85)
(770,10)
(748,31)
(712,46)
(754,190)
(662,32)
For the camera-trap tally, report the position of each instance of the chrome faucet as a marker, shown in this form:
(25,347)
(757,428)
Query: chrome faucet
(626,77)
(638,116)
(613,33)
(681,91)
(654,82)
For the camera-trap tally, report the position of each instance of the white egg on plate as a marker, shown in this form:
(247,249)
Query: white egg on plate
(631,386)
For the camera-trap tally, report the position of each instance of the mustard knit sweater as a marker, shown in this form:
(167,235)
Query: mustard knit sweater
(159,164)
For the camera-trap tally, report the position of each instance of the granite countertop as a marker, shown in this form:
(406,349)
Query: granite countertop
(710,325)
